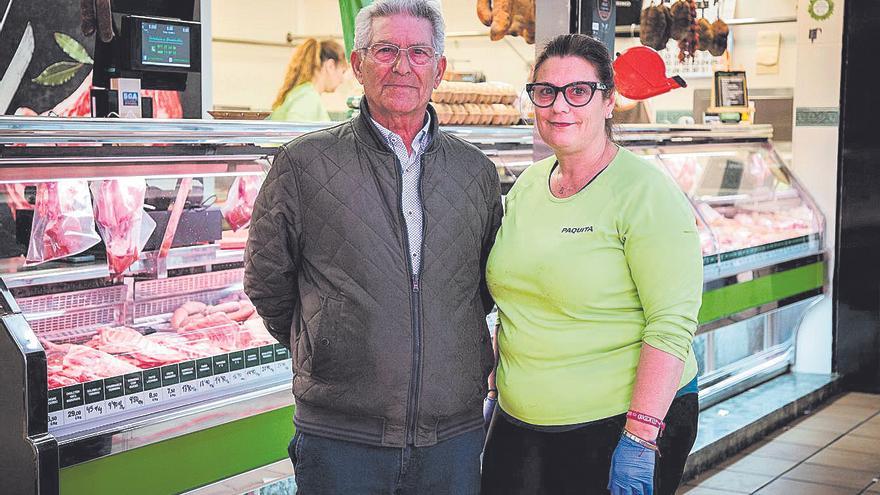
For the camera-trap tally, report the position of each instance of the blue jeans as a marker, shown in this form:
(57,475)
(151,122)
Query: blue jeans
(324,466)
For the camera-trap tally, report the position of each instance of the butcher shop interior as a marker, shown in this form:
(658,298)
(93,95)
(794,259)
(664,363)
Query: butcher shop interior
(134,362)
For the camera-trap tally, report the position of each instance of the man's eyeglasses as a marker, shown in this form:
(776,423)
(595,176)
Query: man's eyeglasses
(577,94)
(387,54)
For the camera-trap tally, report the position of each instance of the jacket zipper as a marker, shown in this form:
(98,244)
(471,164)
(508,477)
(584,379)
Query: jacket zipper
(415,302)
(418,305)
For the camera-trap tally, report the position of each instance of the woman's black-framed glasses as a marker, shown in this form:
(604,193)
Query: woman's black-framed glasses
(576,94)
(386,53)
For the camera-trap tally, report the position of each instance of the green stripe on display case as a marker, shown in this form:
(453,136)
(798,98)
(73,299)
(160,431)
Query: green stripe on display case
(188,461)
(732,299)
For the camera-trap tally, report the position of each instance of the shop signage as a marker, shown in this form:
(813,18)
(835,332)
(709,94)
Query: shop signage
(820,9)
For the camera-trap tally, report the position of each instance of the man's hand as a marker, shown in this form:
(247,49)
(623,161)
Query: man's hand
(96,15)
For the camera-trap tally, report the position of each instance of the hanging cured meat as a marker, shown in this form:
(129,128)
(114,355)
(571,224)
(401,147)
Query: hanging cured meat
(720,31)
(508,17)
(704,34)
(655,26)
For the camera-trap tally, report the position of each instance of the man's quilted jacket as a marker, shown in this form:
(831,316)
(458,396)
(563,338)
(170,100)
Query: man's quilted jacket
(379,357)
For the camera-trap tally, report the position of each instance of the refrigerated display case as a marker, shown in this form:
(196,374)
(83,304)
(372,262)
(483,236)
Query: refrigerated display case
(155,380)
(763,246)
(143,370)
(762,238)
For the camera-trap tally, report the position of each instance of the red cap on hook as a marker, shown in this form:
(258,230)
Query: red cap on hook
(639,73)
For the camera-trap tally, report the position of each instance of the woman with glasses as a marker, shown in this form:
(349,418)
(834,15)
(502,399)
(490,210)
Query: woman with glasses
(316,67)
(597,274)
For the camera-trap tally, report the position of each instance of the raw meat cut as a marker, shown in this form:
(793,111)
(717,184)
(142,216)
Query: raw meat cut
(239,206)
(119,211)
(134,347)
(192,349)
(217,328)
(63,222)
(82,363)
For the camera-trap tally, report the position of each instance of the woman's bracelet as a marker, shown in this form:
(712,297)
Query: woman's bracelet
(641,441)
(646,419)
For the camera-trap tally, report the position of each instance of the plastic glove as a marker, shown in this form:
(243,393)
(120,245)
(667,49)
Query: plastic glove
(632,469)
(489,404)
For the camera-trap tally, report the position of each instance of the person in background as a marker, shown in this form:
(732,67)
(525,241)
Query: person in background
(316,67)
(598,277)
(366,257)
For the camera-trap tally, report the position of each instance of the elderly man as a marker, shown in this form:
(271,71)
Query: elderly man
(366,256)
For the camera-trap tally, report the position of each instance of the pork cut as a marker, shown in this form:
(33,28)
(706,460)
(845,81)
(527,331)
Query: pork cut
(119,211)
(63,223)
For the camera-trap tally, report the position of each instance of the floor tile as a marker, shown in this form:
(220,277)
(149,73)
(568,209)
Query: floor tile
(867,430)
(805,436)
(788,451)
(844,459)
(860,399)
(790,487)
(735,482)
(830,423)
(756,464)
(854,443)
(856,413)
(875,488)
(837,476)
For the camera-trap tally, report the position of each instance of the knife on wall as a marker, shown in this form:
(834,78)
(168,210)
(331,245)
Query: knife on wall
(16,69)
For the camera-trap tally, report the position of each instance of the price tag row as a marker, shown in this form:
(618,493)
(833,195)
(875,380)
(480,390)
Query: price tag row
(111,396)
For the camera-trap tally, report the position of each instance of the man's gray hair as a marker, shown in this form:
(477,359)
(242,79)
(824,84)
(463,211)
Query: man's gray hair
(423,9)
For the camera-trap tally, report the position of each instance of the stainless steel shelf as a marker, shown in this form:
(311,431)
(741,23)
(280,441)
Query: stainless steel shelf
(54,130)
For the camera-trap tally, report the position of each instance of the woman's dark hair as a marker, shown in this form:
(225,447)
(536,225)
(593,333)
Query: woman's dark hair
(587,48)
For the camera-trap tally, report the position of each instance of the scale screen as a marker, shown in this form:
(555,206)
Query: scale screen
(165,45)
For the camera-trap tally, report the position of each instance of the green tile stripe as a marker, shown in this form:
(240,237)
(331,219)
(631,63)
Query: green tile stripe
(732,299)
(188,461)
(817,116)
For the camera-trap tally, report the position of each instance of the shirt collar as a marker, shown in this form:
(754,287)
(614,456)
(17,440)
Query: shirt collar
(420,141)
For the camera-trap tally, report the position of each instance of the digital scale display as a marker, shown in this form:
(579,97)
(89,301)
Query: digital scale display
(165,45)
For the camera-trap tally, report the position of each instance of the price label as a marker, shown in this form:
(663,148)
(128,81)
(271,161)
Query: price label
(284,366)
(135,400)
(252,374)
(237,377)
(221,380)
(114,406)
(206,383)
(95,410)
(74,415)
(55,419)
(153,397)
(189,388)
(267,369)
(171,392)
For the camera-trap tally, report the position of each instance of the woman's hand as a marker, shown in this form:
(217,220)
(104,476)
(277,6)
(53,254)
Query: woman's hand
(632,469)
(489,404)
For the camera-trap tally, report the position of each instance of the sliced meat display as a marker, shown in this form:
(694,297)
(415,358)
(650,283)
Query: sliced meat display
(217,328)
(198,331)
(192,350)
(83,363)
(134,348)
